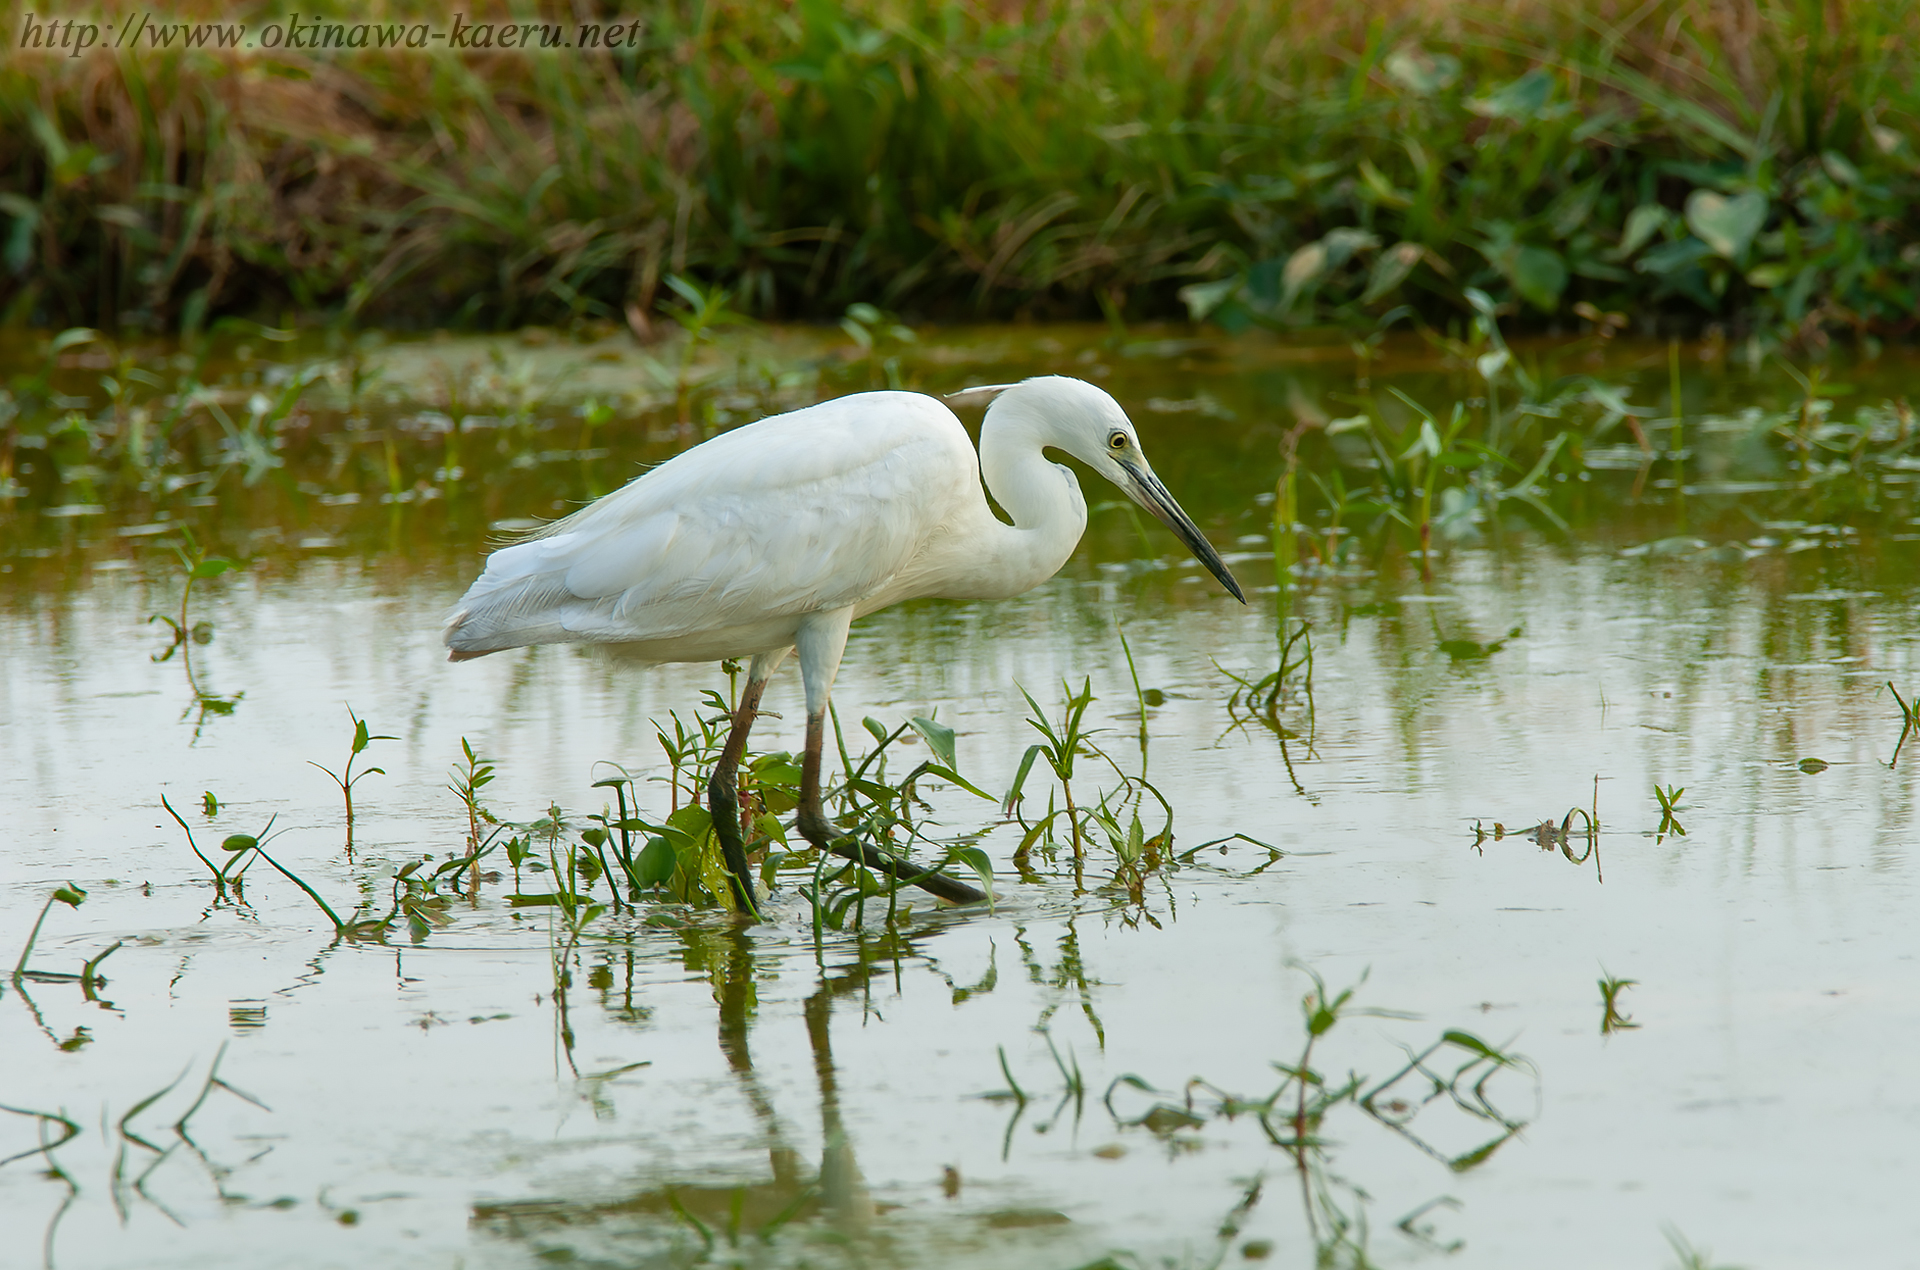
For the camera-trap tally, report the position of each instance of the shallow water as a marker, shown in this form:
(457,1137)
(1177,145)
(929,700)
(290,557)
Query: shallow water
(673,1089)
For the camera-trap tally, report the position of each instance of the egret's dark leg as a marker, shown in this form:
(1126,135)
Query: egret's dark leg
(821,640)
(825,835)
(723,787)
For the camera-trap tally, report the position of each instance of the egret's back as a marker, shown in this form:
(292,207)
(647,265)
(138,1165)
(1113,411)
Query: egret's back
(728,545)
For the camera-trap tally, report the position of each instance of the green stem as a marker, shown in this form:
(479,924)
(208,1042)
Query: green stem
(20,966)
(339,926)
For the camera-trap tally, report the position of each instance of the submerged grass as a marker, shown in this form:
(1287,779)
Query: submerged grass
(1272,163)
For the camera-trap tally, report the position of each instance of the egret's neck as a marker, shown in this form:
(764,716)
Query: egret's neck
(1049,513)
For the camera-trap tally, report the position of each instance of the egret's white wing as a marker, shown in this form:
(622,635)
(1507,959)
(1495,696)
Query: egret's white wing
(803,512)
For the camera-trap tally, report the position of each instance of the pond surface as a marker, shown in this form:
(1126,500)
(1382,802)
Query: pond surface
(1451,811)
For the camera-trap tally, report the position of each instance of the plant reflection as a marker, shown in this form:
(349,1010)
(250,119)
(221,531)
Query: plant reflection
(687,1221)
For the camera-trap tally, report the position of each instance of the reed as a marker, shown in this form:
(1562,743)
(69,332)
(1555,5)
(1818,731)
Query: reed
(1279,163)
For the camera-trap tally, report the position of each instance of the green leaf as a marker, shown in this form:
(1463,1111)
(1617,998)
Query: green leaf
(1303,269)
(239,842)
(1422,72)
(874,790)
(1520,100)
(1671,258)
(211,567)
(876,727)
(1539,275)
(70,895)
(1391,269)
(655,863)
(690,823)
(1727,225)
(977,860)
(953,777)
(1020,778)
(938,736)
(777,769)
(1643,222)
(1202,298)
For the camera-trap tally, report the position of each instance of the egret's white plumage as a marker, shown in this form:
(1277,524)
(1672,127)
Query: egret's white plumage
(777,535)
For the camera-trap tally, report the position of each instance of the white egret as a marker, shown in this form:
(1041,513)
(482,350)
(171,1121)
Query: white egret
(776,536)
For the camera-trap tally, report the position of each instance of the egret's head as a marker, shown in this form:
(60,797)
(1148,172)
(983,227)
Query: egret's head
(1086,422)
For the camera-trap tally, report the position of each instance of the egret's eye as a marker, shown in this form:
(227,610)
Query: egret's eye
(1117,441)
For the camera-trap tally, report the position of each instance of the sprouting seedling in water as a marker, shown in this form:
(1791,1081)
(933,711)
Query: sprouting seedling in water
(1063,744)
(89,977)
(1909,720)
(468,781)
(199,566)
(70,895)
(1611,1019)
(346,778)
(238,846)
(1668,799)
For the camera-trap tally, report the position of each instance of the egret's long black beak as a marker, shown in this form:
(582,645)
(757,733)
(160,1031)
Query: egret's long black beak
(1144,488)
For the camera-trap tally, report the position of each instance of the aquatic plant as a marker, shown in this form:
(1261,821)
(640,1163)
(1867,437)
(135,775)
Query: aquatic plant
(471,775)
(70,895)
(1669,799)
(1456,1074)
(347,778)
(1612,1019)
(196,566)
(239,848)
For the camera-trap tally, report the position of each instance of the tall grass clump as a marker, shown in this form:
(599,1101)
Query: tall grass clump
(1747,161)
